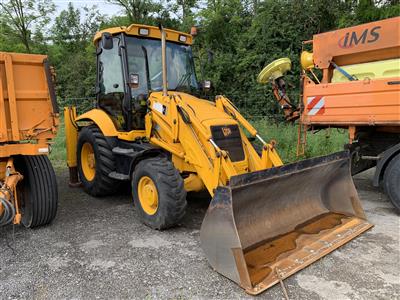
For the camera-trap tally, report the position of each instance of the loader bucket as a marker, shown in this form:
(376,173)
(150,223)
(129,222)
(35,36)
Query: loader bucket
(266,225)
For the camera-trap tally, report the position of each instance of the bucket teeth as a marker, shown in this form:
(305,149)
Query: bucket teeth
(281,220)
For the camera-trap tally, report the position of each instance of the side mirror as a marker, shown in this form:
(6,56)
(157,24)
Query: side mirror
(107,41)
(207,85)
(134,80)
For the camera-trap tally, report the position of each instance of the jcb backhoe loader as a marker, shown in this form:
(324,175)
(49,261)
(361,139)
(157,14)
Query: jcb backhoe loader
(265,221)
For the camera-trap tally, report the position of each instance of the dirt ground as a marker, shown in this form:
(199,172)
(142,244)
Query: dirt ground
(97,249)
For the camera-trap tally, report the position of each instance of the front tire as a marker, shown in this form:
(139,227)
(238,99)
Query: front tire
(95,162)
(391,182)
(158,193)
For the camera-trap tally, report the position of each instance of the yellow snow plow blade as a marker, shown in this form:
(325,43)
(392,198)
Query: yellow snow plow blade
(265,226)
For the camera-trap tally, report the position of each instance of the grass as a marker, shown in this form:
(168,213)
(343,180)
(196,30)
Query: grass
(58,153)
(321,143)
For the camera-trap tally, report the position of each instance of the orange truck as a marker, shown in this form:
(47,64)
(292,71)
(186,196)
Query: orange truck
(28,121)
(351,79)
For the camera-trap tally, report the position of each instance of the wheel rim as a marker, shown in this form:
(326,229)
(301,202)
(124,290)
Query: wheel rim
(148,195)
(88,161)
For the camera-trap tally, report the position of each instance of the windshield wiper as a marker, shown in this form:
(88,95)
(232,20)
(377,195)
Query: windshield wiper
(182,80)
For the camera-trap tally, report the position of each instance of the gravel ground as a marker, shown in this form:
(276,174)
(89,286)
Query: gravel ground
(96,248)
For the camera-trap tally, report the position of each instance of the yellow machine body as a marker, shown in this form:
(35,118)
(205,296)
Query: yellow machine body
(266,220)
(172,134)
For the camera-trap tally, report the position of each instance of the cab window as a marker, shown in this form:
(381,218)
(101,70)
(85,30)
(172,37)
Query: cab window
(111,83)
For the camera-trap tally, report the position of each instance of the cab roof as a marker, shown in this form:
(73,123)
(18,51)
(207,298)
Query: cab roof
(152,32)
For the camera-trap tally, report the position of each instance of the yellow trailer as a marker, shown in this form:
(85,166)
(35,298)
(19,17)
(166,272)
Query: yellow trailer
(28,121)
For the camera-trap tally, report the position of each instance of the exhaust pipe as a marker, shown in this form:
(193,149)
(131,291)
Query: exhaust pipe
(164,60)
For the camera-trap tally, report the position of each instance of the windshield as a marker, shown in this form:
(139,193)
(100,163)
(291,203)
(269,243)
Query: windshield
(180,69)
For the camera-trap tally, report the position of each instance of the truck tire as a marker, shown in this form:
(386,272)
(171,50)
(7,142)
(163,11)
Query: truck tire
(391,182)
(37,192)
(95,162)
(158,193)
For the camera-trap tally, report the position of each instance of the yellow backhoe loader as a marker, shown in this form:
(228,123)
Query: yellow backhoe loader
(265,221)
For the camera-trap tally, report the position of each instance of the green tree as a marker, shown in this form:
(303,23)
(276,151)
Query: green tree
(243,36)
(237,38)
(22,18)
(74,30)
(139,11)
(364,11)
(73,52)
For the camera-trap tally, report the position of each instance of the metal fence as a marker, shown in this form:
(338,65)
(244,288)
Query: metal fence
(256,112)
(82,104)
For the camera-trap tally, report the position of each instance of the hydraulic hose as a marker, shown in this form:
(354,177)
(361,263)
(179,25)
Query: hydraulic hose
(8,213)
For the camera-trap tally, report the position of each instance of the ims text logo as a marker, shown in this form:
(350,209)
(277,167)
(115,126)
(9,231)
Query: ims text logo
(351,39)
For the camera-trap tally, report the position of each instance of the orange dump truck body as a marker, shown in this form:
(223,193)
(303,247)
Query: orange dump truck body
(359,90)
(28,107)
(367,103)
(373,98)
(28,121)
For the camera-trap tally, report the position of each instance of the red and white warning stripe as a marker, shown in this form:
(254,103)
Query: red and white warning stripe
(316,105)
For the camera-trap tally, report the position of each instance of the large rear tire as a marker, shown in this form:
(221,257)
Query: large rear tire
(37,192)
(158,193)
(391,182)
(95,162)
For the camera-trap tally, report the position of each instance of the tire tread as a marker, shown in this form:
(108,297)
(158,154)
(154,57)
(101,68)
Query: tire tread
(391,181)
(170,185)
(102,184)
(43,190)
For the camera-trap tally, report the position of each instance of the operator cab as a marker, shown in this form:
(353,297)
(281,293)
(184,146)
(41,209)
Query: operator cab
(129,69)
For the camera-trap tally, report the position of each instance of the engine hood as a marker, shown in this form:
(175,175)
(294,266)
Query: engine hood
(205,110)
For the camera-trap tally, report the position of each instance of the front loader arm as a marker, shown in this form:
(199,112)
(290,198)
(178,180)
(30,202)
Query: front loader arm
(183,135)
(226,105)
(269,156)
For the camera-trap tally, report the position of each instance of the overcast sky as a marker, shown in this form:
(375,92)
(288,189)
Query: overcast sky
(103,6)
